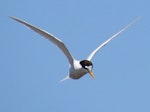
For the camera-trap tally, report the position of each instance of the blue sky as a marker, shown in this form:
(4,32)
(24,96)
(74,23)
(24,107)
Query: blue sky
(31,66)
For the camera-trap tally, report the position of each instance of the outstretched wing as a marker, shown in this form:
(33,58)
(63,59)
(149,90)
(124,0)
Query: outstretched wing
(50,37)
(107,41)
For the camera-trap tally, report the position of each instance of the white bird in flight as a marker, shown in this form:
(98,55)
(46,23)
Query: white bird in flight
(77,68)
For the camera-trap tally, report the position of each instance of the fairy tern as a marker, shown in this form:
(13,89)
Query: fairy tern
(77,68)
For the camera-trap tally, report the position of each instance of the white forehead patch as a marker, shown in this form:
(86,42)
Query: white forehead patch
(89,67)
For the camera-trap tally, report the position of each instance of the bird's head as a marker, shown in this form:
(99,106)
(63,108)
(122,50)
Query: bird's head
(87,65)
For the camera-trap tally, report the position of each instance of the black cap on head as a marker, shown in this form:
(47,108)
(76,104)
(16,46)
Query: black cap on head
(85,63)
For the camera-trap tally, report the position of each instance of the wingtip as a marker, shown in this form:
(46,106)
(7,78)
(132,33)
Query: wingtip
(12,17)
(15,18)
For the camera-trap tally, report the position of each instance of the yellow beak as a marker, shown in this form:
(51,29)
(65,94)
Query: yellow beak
(91,73)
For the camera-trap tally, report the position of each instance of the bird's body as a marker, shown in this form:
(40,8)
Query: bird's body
(76,71)
(77,68)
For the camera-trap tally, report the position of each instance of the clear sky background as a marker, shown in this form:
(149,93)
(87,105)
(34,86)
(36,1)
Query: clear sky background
(31,66)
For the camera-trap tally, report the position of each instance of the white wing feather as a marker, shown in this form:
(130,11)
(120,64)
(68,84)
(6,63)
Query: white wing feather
(112,37)
(50,37)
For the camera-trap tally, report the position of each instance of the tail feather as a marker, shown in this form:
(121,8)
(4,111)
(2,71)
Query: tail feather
(66,78)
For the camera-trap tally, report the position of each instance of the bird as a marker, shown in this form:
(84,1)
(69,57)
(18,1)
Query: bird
(77,68)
